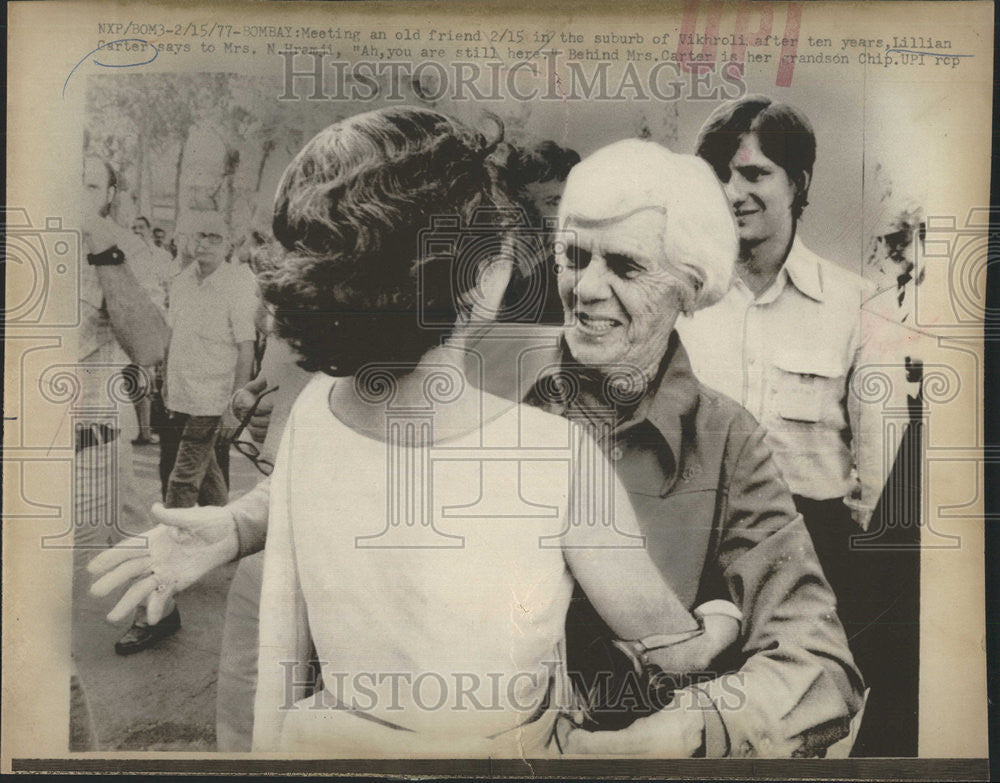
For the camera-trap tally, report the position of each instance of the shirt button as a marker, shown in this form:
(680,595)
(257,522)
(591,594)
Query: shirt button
(617,453)
(689,473)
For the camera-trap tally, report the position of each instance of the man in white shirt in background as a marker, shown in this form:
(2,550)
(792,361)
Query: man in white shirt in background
(211,315)
(159,254)
(790,341)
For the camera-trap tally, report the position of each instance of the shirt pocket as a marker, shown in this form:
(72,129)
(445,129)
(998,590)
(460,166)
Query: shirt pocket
(806,383)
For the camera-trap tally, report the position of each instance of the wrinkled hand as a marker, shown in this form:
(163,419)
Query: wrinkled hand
(186,545)
(243,401)
(676,731)
(227,427)
(720,630)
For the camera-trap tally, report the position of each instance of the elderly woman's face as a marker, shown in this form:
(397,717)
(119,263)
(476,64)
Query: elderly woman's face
(619,294)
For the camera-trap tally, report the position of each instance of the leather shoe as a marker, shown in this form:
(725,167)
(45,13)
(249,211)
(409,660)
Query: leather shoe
(141,636)
(142,440)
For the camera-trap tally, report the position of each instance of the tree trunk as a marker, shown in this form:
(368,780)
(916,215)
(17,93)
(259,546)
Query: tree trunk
(268,149)
(146,194)
(177,180)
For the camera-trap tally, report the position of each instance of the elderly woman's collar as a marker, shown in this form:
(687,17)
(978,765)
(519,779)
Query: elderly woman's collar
(674,400)
(669,404)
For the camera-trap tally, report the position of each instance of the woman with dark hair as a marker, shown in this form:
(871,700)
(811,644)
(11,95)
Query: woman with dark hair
(402,545)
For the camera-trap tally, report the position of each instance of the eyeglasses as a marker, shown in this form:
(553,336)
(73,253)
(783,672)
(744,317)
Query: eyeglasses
(209,239)
(248,448)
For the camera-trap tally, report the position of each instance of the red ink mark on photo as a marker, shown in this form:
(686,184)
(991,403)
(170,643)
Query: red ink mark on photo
(789,45)
(741,39)
(687,38)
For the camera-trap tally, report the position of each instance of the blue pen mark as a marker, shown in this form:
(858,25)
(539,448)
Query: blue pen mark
(930,54)
(156,53)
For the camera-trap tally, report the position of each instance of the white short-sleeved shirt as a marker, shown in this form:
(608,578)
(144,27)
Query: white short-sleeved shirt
(208,319)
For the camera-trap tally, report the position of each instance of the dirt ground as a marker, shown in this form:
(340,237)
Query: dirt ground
(162,698)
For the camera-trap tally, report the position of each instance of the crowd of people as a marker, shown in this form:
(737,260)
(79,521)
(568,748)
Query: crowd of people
(665,320)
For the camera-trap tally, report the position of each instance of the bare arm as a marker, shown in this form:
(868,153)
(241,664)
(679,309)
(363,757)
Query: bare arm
(241,376)
(244,364)
(608,557)
(135,320)
(243,308)
(798,687)
(250,513)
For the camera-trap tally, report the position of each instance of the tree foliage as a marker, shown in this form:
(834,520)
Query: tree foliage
(143,122)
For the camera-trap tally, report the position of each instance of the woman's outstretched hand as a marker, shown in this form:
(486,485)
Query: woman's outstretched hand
(187,544)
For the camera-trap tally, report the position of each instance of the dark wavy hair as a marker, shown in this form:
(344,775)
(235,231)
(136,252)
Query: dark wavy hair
(784,133)
(546,161)
(350,283)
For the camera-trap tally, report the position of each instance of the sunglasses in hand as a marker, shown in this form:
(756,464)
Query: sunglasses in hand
(248,448)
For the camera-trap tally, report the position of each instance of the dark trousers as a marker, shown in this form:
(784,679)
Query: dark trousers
(875,576)
(203,478)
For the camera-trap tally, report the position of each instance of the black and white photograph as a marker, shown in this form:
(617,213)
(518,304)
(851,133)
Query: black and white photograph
(430,382)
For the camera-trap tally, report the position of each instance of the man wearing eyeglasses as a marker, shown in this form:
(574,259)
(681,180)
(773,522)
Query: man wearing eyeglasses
(211,316)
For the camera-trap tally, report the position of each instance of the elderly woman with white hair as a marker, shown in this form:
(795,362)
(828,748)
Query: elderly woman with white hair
(646,237)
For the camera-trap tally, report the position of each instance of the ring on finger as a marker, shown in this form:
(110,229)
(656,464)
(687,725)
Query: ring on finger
(161,586)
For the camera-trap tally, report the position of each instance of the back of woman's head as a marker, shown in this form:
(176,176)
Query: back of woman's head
(356,280)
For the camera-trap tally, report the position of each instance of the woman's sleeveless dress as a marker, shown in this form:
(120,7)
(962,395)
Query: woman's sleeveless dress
(430,581)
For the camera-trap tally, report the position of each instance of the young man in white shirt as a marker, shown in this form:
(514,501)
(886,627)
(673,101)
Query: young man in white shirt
(792,342)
